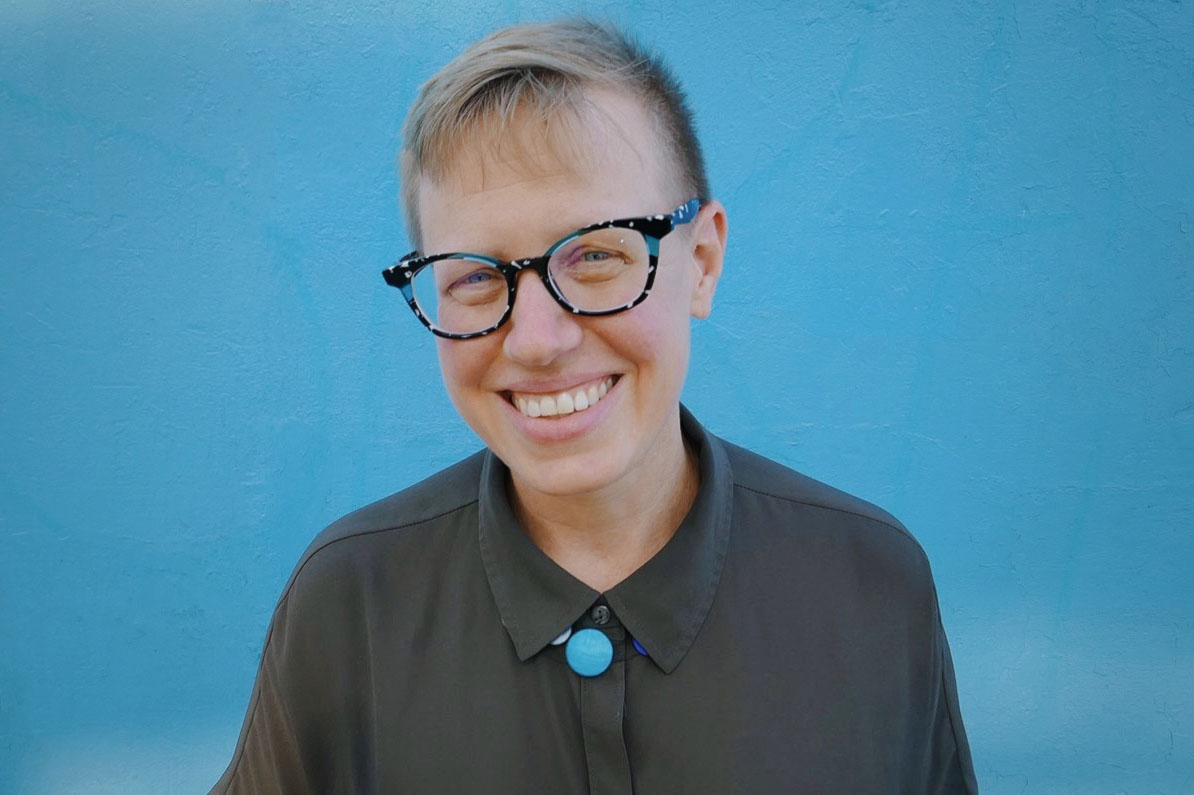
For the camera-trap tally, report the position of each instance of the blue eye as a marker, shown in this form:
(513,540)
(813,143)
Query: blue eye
(479,278)
(479,284)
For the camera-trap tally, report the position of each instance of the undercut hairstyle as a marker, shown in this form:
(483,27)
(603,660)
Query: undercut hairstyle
(541,69)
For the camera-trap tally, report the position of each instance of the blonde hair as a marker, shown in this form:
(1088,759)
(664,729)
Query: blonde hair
(543,69)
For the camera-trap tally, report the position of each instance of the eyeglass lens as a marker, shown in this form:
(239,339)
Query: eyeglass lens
(600,270)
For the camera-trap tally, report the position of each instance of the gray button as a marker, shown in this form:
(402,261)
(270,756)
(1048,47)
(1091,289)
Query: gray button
(600,614)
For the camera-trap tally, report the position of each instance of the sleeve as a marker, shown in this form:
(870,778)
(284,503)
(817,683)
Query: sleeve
(949,767)
(267,757)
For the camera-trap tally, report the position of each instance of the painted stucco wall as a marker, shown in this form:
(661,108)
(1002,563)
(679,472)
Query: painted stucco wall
(959,285)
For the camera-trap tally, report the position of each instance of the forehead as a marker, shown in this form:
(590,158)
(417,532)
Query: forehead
(556,172)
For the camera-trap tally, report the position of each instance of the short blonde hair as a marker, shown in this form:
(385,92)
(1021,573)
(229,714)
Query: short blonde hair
(543,68)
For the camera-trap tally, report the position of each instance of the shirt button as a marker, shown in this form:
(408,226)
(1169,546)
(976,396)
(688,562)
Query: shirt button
(589,652)
(562,638)
(600,614)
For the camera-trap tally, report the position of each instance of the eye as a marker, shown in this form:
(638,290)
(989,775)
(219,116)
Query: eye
(593,255)
(476,277)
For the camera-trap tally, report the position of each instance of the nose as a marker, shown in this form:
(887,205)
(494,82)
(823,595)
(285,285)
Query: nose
(539,329)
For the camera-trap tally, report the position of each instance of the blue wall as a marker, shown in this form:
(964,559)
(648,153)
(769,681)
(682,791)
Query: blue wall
(959,285)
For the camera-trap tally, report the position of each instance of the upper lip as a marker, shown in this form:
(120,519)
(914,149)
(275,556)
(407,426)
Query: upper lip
(553,385)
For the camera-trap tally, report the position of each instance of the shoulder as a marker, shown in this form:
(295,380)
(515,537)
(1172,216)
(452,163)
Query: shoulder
(440,495)
(806,511)
(755,473)
(419,514)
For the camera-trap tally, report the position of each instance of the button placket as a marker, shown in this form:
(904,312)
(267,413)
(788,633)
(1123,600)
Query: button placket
(602,708)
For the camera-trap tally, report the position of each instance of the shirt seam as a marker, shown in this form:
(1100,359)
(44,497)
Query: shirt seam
(357,534)
(953,732)
(255,704)
(240,751)
(949,705)
(900,530)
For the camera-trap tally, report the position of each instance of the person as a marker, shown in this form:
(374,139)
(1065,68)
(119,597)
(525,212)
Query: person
(607,598)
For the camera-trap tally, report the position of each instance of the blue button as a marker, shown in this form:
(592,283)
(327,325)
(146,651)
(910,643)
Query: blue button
(639,647)
(562,638)
(589,652)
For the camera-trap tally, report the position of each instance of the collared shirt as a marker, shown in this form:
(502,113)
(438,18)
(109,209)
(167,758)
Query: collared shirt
(786,639)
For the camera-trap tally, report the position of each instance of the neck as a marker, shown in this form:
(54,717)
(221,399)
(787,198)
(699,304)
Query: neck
(602,537)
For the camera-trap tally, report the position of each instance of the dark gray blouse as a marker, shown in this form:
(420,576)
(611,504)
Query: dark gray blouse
(792,636)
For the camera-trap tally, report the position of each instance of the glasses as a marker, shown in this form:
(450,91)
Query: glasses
(601,269)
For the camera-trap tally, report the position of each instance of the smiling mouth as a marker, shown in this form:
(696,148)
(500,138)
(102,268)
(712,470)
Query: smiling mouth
(560,404)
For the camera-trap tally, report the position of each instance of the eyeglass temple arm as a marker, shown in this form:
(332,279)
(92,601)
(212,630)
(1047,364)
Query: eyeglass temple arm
(685,212)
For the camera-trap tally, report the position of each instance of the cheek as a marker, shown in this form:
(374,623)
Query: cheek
(461,365)
(655,338)
(667,326)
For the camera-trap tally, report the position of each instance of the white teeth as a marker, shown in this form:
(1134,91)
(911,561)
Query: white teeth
(563,402)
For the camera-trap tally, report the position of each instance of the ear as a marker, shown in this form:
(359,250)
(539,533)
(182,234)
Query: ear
(708,252)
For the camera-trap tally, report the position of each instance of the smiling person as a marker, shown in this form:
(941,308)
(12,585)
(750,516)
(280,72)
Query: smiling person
(608,598)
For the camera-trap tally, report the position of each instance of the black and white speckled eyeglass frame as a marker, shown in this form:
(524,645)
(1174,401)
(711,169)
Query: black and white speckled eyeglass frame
(652,227)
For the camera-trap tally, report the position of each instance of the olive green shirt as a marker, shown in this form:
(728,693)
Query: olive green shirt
(792,636)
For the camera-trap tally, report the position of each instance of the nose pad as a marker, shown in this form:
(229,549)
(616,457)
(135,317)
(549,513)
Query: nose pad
(540,328)
(532,289)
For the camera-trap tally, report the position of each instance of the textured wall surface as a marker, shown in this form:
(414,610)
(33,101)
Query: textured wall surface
(959,285)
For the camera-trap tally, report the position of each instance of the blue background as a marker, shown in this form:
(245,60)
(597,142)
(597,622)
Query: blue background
(959,285)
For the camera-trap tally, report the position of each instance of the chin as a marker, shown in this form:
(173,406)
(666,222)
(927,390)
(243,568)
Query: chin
(567,475)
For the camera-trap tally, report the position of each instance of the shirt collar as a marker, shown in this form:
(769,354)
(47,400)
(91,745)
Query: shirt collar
(663,604)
